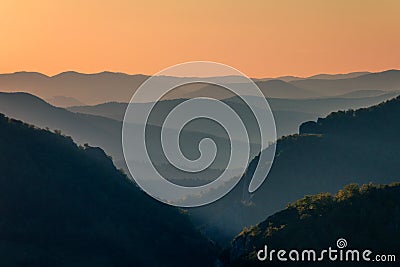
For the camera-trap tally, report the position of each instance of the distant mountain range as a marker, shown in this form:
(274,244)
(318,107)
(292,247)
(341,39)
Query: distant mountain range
(68,88)
(318,76)
(64,205)
(97,130)
(288,113)
(347,146)
(387,81)
(106,133)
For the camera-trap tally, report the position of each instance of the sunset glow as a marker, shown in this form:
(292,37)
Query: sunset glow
(260,38)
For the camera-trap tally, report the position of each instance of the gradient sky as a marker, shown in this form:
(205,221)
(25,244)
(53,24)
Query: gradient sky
(260,38)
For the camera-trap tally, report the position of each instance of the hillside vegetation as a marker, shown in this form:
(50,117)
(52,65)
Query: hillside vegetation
(64,205)
(368,217)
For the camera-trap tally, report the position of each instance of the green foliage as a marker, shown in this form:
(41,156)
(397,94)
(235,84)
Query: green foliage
(313,204)
(367,216)
(347,192)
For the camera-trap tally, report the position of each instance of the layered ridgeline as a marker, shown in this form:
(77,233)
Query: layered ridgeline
(96,130)
(106,133)
(305,163)
(367,217)
(64,205)
(72,88)
(288,113)
(346,147)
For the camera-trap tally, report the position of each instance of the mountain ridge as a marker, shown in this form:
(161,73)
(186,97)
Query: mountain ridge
(95,88)
(64,205)
(360,147)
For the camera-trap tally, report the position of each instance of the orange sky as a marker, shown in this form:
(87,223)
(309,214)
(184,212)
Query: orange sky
(260,38)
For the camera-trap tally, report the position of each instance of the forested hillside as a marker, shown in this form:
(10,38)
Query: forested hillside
(64,205)
(368,217)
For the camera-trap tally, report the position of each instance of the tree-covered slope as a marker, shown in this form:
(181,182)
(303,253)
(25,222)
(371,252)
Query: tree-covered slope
(355,146)
(63,205)
(359,146)
(367,217)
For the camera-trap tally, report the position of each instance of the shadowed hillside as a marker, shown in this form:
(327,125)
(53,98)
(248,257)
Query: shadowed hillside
(94,130)
(355,146)
(63,205)
(104,132)
(346,147)
(368,217)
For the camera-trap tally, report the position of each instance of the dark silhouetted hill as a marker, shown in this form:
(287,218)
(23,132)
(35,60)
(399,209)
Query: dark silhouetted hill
(64,205)
(94,130)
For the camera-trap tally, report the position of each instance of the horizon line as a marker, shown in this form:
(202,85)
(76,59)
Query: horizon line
(147,75)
